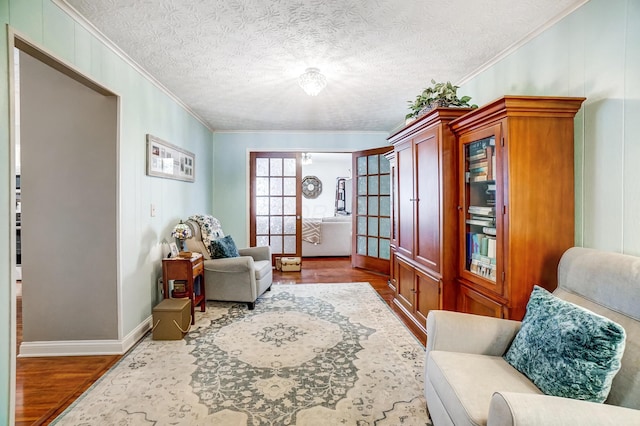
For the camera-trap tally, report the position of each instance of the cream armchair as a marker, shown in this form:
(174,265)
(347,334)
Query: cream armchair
(467,382)
(233,279)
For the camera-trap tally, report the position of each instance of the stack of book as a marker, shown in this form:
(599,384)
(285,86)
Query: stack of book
(482,216)
(481,158)
(481,254)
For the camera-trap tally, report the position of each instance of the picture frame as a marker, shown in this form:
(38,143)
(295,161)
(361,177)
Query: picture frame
(174,249)
(169,161)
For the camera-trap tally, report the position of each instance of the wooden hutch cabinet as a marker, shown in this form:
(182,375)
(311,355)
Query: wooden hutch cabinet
(424,239)
(516,200)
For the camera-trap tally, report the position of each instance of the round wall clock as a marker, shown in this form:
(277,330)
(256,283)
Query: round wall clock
(311,186)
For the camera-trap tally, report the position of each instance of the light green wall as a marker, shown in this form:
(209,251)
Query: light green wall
(592,53)
(143,109)
(232,160)
(6,313)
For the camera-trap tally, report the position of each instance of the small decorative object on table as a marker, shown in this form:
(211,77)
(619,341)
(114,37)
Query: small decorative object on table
(181,232)
(174,250)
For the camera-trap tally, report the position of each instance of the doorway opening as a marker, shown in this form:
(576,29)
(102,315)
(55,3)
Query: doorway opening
(312,204)
(64,145)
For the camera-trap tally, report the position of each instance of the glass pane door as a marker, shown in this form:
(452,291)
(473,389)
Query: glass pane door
(480,207)
(275,202)
(372,180)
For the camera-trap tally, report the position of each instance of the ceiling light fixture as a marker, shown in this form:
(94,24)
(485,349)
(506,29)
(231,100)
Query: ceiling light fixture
(306,158)
(312,81)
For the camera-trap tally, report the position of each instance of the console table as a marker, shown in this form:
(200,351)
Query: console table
(190,270)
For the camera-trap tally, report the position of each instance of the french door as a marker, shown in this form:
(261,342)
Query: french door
(276,204)
(372,215)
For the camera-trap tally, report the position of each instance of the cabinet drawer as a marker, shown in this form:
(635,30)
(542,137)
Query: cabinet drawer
(472,302)
(198,268)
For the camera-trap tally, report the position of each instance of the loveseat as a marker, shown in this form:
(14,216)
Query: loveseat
(468,382)
(335,238)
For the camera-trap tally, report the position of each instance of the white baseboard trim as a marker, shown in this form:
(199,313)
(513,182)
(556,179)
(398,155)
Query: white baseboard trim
(85,347)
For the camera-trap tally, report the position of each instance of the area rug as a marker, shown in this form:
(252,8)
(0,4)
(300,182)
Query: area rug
(309,354)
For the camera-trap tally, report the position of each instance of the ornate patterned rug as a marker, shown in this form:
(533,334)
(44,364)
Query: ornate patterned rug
(309,354)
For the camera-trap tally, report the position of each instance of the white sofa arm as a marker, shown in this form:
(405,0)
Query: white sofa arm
(467,333)
(258,253)
(509,409)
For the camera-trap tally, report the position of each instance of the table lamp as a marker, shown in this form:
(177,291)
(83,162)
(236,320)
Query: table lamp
(181,232)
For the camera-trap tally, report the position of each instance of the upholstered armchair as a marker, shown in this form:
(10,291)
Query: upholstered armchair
(235,279)
(469,382)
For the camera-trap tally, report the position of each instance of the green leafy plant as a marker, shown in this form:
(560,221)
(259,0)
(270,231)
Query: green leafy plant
(438,95)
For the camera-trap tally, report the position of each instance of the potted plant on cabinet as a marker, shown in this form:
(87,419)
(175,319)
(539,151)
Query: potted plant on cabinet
(437,95)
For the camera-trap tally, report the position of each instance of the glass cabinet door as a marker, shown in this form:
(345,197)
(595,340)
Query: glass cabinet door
(479,208)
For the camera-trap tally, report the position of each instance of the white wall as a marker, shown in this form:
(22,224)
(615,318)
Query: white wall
(69,151)
(326,167)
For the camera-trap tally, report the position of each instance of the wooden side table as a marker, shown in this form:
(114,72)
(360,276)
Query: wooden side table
(187,269)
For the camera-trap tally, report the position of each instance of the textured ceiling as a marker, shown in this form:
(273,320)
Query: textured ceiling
(235,63)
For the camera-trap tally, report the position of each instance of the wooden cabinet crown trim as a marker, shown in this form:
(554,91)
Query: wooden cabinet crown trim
(517,106)
(434,117)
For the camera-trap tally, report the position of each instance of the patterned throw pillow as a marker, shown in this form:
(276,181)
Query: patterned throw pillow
(210,228)
(566,350)
(223,247)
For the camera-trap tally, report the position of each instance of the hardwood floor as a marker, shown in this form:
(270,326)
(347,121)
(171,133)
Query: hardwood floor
(46,386)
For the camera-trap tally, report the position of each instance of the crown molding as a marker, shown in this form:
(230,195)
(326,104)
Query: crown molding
(93,30)
(330,132)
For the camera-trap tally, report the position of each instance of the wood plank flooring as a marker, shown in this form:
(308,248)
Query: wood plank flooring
(46,386)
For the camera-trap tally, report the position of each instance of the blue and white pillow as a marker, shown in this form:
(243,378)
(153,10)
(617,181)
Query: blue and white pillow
(567,350)
(223,247)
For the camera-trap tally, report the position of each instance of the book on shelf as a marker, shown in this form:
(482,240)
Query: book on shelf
(478,178)
(478,156)
(485,218)
(481,254)
(480,222)
(484,269)
(478,147)
(489,230)
(485,210)
(491,247)
(484,246)
(484,163)
(481,153)
(487,271)
(478,170)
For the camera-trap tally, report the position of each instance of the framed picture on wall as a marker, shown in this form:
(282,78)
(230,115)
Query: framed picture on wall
(169,161)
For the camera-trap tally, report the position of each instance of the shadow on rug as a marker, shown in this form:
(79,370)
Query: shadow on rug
(309,354)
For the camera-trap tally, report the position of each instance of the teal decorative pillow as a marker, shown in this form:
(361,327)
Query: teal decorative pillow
(566,350)
(223,247)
